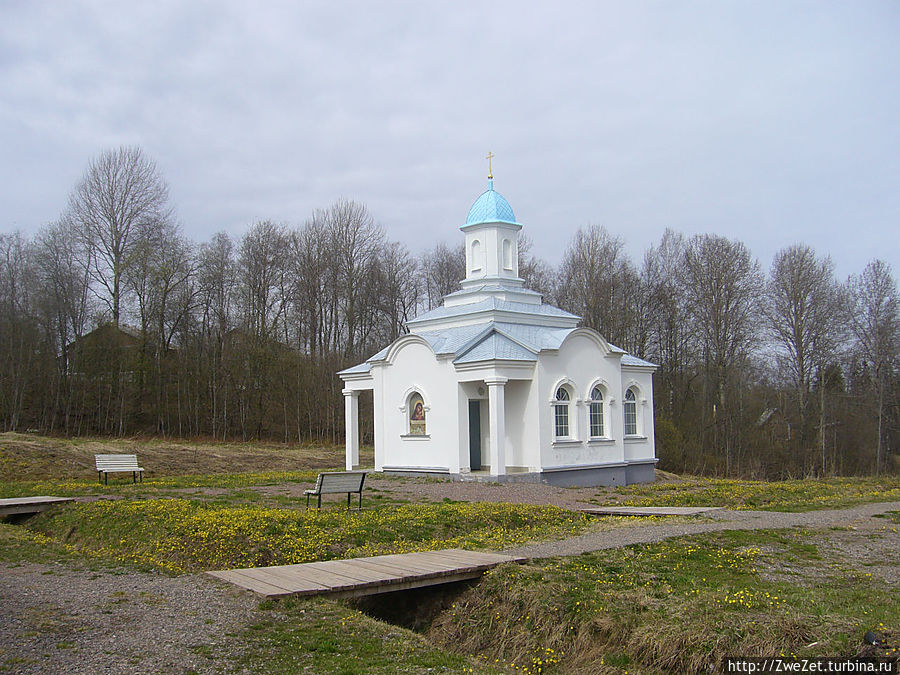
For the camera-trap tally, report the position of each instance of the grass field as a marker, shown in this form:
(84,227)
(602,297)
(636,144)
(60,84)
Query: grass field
(789,495)
(674,606)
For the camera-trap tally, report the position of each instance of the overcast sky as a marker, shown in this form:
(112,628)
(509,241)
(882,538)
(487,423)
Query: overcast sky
(771,122)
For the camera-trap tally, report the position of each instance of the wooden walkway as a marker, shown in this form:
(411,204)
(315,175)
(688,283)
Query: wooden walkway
(365,576)
(649,510)
(16,505)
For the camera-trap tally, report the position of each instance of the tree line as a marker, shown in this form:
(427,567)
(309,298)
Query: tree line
(113,322)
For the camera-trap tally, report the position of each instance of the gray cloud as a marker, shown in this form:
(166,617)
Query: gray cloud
(771,122)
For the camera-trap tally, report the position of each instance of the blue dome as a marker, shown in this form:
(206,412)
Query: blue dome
(490,207)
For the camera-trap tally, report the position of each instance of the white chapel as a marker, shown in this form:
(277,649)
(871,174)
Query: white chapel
(498,385)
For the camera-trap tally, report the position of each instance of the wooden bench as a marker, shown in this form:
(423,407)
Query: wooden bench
(107,464)
(338,482)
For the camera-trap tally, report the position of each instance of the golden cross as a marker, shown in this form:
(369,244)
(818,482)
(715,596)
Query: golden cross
(489,157)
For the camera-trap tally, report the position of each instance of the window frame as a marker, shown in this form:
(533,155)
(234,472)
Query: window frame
(562,408)
(600,415)
(630,405)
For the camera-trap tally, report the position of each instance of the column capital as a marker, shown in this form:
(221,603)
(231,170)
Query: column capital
(350,392)
(496,381)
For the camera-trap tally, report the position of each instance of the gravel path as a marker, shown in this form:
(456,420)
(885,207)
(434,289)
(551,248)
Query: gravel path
(56,619)
(723,520)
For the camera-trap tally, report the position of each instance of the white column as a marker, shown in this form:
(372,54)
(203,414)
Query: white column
(351,425)
(497,415)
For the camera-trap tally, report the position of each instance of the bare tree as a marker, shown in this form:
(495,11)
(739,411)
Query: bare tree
(804,320)
(875,322)
(595,282)
(119,197)
(62,268)
(356,241)
(722,286)
(397,291)
(538,275)
(441,269)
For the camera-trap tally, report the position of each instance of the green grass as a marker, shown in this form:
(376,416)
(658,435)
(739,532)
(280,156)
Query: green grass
(185,535)
(155,486)
(676,606)
(789,495)
(321,636)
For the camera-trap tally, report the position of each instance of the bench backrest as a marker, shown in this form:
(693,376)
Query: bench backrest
(340,481)
(116,462)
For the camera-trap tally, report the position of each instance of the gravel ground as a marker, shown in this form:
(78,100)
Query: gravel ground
(433,490)
(58,619)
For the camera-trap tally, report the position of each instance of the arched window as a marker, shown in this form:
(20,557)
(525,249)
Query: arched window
(507,255)
(596,413)
(630,411)
(561,413)
(416,414)
(476,255)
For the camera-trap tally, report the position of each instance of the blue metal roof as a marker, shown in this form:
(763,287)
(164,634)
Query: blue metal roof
(491,207)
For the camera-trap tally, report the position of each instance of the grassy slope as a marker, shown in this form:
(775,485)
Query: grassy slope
(676,606)
(32,457)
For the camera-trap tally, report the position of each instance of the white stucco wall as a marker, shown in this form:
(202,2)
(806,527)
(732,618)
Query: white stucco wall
(413,367)
(580,363)
(643,445)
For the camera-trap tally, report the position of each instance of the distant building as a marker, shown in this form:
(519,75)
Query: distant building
(496,384)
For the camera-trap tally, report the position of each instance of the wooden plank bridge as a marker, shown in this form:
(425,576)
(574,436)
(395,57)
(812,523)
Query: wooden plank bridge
(16,505)
(649,510)
(365,576)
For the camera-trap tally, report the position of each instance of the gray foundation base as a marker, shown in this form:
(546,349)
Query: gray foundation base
(603,475)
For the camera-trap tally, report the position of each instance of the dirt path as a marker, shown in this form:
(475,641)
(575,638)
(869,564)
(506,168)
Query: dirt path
(857,516)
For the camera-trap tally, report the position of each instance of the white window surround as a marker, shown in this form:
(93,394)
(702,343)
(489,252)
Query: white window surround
(598,398)
(563,419)
(507,255)
(405,413)
(630,413)
(475,261)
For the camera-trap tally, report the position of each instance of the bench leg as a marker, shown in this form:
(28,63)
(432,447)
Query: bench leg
(106,477)
(100,477)
(307,502)
(348,501)
(134,477)
(360,501)
(320,502)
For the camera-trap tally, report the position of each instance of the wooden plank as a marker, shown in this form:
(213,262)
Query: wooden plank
(251,583)
(295,579)
(20,505)
(461,558)
(417,566)
(411,561)
(649,510)
(363,574)
(387,568)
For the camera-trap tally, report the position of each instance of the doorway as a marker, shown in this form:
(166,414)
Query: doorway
(475,435)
